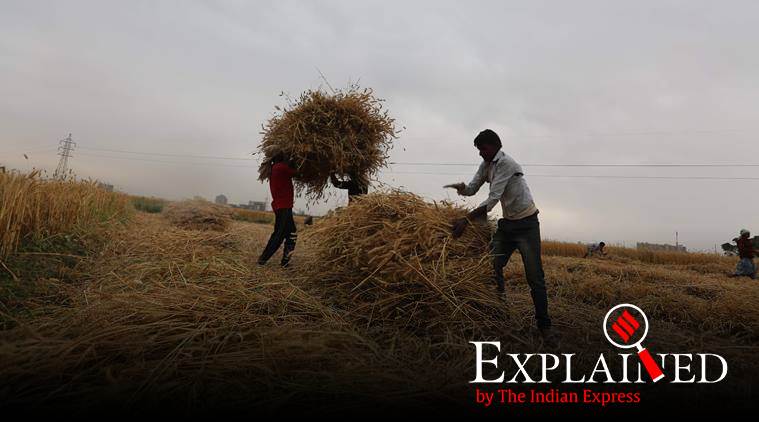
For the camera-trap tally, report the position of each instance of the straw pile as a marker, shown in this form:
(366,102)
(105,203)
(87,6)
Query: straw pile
(170,316)
(198,215)
(391,258)
(347,132)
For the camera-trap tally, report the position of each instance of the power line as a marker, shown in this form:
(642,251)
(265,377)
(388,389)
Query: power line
(613,134)
(648,177)
(166,154)
(444,174)
(583,165)
(440,164)
(65,155)
(164,161)
(635,133)
(38,148)
(597,176)
(437,164)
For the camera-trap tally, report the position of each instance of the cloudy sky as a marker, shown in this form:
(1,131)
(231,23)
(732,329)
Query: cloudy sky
(580,82)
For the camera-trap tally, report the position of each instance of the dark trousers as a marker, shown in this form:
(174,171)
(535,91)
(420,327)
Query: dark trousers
(284,231)
(524,235)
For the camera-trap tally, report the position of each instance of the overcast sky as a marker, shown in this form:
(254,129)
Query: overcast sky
(562,82)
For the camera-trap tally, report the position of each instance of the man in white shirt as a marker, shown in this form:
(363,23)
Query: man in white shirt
(518,229)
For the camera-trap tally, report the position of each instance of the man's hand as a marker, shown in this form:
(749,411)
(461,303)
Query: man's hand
(459,226)
(458,186)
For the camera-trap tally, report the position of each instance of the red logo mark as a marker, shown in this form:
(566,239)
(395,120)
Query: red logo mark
(625,326)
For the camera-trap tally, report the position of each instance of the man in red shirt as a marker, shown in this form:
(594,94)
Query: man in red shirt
(746,253)
(283,197)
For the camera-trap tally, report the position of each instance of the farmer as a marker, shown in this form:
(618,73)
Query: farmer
(519,227)
(746,253)
(356,185)
(283,197)
(595,248)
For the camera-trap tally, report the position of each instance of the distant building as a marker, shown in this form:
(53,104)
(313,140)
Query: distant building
(221,200)
(257,205)
(661,247)
(252,205)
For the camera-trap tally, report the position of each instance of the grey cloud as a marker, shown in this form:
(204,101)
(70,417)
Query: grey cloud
(665,81)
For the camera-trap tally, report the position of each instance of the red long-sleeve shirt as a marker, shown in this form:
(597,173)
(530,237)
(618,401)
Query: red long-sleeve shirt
(745,248)
(281,186)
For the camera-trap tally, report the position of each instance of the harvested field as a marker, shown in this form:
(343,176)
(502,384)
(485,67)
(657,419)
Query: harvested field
(164,314)
(199,215)
(262,217)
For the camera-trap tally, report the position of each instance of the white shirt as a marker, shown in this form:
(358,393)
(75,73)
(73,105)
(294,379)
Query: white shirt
(507,185)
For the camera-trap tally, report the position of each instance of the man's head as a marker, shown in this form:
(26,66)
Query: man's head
(745,233)
(488,143)
(602,244)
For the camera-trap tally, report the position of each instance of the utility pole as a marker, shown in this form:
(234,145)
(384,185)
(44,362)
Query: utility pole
(65,147)
(676,240)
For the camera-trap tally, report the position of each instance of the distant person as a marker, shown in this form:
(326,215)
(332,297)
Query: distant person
(595,249)
(283,198)
(746,266)
(355,185)
(518,229)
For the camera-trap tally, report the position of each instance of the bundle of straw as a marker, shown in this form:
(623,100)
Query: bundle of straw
(198,215)
(391,257)
(346,132)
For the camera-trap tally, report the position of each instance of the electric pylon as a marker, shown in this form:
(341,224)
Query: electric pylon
(65,147)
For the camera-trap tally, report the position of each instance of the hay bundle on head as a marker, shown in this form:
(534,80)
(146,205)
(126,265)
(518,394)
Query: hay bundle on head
(391,259)
(198,215)
(346,132)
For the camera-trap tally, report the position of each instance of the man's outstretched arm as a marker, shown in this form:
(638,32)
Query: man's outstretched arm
(474,185)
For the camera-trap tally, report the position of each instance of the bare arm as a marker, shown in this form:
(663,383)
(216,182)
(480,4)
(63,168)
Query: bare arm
(338,183)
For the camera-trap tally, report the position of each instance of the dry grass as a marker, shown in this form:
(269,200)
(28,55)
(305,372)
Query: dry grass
(148,204)
(555,248)
(642,255)
(184,315)
(261,217)
(391,259)
(199,215)
(665,257)
(386,234)
(379,303)
(32,208)
(347,132)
